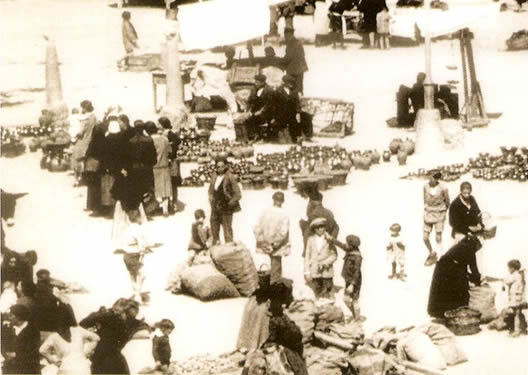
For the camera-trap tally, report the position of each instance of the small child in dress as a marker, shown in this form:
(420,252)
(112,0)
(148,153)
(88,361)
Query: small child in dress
(383,28)
(201,237)
(161,349)
(351,273)
(516,283)
(396,253)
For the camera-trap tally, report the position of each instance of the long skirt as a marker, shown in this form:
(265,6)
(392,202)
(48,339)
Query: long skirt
(162,183)
(107,182)
(121,235)
(254,330)
(321,20)
(449,287)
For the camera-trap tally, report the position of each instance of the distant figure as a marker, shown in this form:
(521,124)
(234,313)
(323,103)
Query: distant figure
(161,171)
(260,105)
(295,60)
(436,203)
(370,10)
(130,38)
(161,349)
(286,128)
(396,253)
(417,93)
(383,28)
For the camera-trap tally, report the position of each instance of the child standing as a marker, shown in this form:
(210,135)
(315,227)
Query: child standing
(516,284)
(201,237)
(134,264)
(396,253)
(319,260)
(383,28)
(351,273)
(161,349)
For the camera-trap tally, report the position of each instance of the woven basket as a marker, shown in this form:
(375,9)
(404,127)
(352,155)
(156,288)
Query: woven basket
(339,177)
(206,123)
(463,321)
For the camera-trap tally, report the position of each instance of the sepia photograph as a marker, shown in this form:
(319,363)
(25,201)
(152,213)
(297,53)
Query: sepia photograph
(264,187)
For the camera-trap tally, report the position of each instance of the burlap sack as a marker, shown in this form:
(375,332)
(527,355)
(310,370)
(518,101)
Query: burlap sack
(205,282)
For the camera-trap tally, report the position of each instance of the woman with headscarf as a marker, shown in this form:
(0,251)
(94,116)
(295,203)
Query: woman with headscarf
(464,214)
(115,328)
(87,125)
(450,283)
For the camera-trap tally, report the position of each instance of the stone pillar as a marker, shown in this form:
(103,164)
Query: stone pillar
(54,99)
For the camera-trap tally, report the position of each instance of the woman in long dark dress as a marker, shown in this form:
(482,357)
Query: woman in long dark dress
(115,327)
(370,9)
(451,277)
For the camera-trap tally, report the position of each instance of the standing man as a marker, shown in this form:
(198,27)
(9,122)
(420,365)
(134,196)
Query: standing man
(224,197)
(294,59)
(314,211)
(436,203)
(272,234)
(130,38)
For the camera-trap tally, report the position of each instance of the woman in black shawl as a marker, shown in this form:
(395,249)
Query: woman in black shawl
(451,277)
(464,214)
(370,9)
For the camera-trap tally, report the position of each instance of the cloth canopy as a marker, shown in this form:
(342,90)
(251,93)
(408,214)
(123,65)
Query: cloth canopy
(436,22)
(222,22)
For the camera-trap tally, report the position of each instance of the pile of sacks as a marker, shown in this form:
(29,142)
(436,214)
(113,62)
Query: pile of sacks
(228,272)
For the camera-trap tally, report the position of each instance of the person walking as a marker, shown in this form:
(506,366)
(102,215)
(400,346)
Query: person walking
(272,235)
(130,38)
(436,202)
(295,60)
(224,197)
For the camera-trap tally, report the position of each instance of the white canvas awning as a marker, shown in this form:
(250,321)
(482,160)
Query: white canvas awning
(221,22)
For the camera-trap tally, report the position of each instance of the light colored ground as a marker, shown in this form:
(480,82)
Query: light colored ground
(76,247)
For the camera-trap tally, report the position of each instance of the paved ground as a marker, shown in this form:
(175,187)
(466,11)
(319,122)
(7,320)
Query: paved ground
(76,247)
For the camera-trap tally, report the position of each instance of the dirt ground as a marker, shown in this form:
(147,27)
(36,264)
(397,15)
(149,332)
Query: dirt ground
(76,247)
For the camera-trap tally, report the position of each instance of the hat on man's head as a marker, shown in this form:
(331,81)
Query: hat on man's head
(260,78)
(43,275)
(353,240)
(289,80)
(395,227)
(318,222)
(436,174)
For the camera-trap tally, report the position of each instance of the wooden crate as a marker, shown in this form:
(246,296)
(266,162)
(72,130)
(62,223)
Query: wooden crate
(331,117)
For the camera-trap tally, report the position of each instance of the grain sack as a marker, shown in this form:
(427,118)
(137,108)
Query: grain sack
(420,348)
(482,299)
(327,361)
(347,331)
(234,261)
(326,315)
(205,282)
(174,283)
(368,361)
(446,343)
(302,313)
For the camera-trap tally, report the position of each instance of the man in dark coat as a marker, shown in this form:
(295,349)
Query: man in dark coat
(316,210)
(295,60)
(287,110)
(260,105)
(464,214)
(224,197)
(20,343)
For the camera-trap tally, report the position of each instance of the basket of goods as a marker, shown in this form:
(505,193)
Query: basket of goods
(206,122)
(258,182)
(275,183)
(518,40)
(283,182)
(264,274)
(246,182)
(204,135)
(338,177)
(463,321)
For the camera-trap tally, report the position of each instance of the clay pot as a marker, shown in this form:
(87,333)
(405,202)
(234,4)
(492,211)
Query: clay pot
(346,164)
(407,146)
(375,157)
(395,145)
(402,157)
(34,144)
(237,153)
(386,156)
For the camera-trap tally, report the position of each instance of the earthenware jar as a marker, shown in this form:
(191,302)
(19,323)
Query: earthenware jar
(386,156)
(402,157)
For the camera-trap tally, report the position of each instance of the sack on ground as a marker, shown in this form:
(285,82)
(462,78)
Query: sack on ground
(326,315)
(482,299)
(329,361)
(302,313)
(420,348)
(501,322)
(369,361)
(207,283)
(174,283)
(347,331)
(446,343)
(234,261)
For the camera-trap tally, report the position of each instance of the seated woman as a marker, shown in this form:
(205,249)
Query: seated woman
(450,284)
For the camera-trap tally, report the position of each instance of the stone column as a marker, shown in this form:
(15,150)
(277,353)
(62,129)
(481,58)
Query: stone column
(54,99)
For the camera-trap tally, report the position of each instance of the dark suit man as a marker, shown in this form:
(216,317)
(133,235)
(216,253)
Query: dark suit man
(20,343)
(260,105)
(295,60)
(224,197)
(287,109)
(316,210)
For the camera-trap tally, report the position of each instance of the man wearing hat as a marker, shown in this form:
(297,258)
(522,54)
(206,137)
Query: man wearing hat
(436,203)
(319,260)
(294,59)
(287,111)
(272,234)
(260,106)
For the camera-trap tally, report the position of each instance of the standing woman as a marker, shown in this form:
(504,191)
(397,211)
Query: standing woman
(174,164)
(130,38)
(162,178)
(464,214)
(110,164)
(115,328)
(370,10)
(321,20)
(87,125)
(93,171)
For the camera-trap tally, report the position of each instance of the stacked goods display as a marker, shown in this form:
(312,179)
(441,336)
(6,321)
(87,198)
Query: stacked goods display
(512,164)
(234,261)
(196,148)
(12,144)
(330,117)
(401,149)
(205,282)
(33,130)
(55,156)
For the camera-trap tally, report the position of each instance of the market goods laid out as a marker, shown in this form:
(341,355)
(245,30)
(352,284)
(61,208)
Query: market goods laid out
(518,40)
(226,364)
(198,149)
(226,271)
(512,164)
(12,144)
